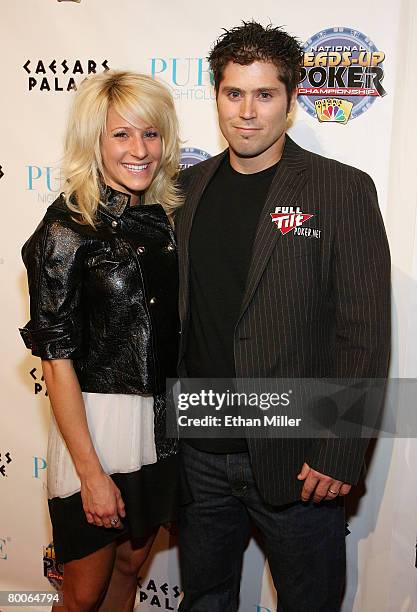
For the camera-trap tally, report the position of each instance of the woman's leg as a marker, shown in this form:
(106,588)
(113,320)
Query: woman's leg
(121,594)
(86,580)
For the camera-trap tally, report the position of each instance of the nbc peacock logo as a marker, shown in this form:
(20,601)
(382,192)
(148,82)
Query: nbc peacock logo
(333,109)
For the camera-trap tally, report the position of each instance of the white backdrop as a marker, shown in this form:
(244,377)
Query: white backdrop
(47,47)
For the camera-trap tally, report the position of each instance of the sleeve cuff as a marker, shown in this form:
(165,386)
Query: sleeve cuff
(60,341)
(342,459)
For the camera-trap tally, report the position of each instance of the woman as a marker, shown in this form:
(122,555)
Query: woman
(102,273)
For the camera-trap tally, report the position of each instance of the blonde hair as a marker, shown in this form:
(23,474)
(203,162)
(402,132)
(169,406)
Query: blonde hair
(134,96)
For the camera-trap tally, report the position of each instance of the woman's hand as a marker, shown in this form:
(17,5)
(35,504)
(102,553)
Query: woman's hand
(102,501)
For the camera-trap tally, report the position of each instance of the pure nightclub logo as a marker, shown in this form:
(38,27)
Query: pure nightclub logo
(189,78)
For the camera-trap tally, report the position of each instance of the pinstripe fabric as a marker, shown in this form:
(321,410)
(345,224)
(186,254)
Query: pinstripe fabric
(313,307)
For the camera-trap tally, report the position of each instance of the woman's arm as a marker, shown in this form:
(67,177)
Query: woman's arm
(101,498)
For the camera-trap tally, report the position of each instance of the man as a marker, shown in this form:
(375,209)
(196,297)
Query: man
(257,302)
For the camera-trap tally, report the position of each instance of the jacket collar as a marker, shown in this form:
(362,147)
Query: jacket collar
(112,201)
(289,178)
(292,162)
(287,183)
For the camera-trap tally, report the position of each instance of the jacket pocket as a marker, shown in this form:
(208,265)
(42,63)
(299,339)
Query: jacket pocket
(293,247)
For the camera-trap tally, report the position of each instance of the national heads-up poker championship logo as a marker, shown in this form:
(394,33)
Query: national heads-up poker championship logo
(341,76)
(191,156)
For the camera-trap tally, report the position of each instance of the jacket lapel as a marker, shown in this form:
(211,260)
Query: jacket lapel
(287,183)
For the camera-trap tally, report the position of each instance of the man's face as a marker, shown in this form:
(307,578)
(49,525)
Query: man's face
(252,105)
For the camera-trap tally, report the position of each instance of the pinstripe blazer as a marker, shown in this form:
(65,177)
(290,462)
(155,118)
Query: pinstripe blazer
(312,307)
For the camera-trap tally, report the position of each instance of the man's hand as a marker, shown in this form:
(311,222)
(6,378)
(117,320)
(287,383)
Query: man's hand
(320,486)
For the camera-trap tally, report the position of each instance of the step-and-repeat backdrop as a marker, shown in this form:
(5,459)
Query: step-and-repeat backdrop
(356,104)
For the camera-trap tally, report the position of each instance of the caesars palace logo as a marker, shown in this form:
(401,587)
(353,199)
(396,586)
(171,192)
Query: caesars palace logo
(5,459)
(161,596)
(60,75)
(341,76)
(39,382)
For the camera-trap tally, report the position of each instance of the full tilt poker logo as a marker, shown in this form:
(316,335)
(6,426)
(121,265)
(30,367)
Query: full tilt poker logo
(341,76)
(288,218)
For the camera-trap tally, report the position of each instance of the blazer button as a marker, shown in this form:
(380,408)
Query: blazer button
(170,247)
(152,301)
(114,223)
(140,250)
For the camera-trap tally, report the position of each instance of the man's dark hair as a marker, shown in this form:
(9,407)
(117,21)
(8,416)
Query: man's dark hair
(252,42)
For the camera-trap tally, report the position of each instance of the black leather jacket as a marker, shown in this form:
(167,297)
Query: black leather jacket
(105,298)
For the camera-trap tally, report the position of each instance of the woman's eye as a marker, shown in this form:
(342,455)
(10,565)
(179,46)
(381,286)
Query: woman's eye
(151,134)
(120,134)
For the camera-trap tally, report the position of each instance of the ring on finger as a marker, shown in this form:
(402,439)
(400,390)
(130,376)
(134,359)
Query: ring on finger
(333,492)
(114,521)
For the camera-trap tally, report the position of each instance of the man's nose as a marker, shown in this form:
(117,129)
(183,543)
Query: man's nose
(247,108)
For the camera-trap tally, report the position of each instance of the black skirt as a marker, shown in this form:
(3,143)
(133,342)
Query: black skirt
(151,499)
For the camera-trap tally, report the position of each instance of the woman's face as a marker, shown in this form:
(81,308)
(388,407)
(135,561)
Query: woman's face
(130,155)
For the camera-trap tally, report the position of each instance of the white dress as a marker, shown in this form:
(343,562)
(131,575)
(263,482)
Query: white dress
(122,431)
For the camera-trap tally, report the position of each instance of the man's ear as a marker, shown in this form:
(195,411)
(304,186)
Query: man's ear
(292,101)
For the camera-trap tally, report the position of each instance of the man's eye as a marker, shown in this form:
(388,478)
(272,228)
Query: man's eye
(234,94)
(265,95)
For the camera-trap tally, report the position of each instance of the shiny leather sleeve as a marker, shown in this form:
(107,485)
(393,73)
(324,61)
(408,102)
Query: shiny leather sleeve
(54,257)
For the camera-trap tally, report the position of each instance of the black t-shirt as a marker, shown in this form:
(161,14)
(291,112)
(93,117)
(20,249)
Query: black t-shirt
(221,242)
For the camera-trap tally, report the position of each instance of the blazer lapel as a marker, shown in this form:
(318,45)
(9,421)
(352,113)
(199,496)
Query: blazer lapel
(193,195)
(287,183)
